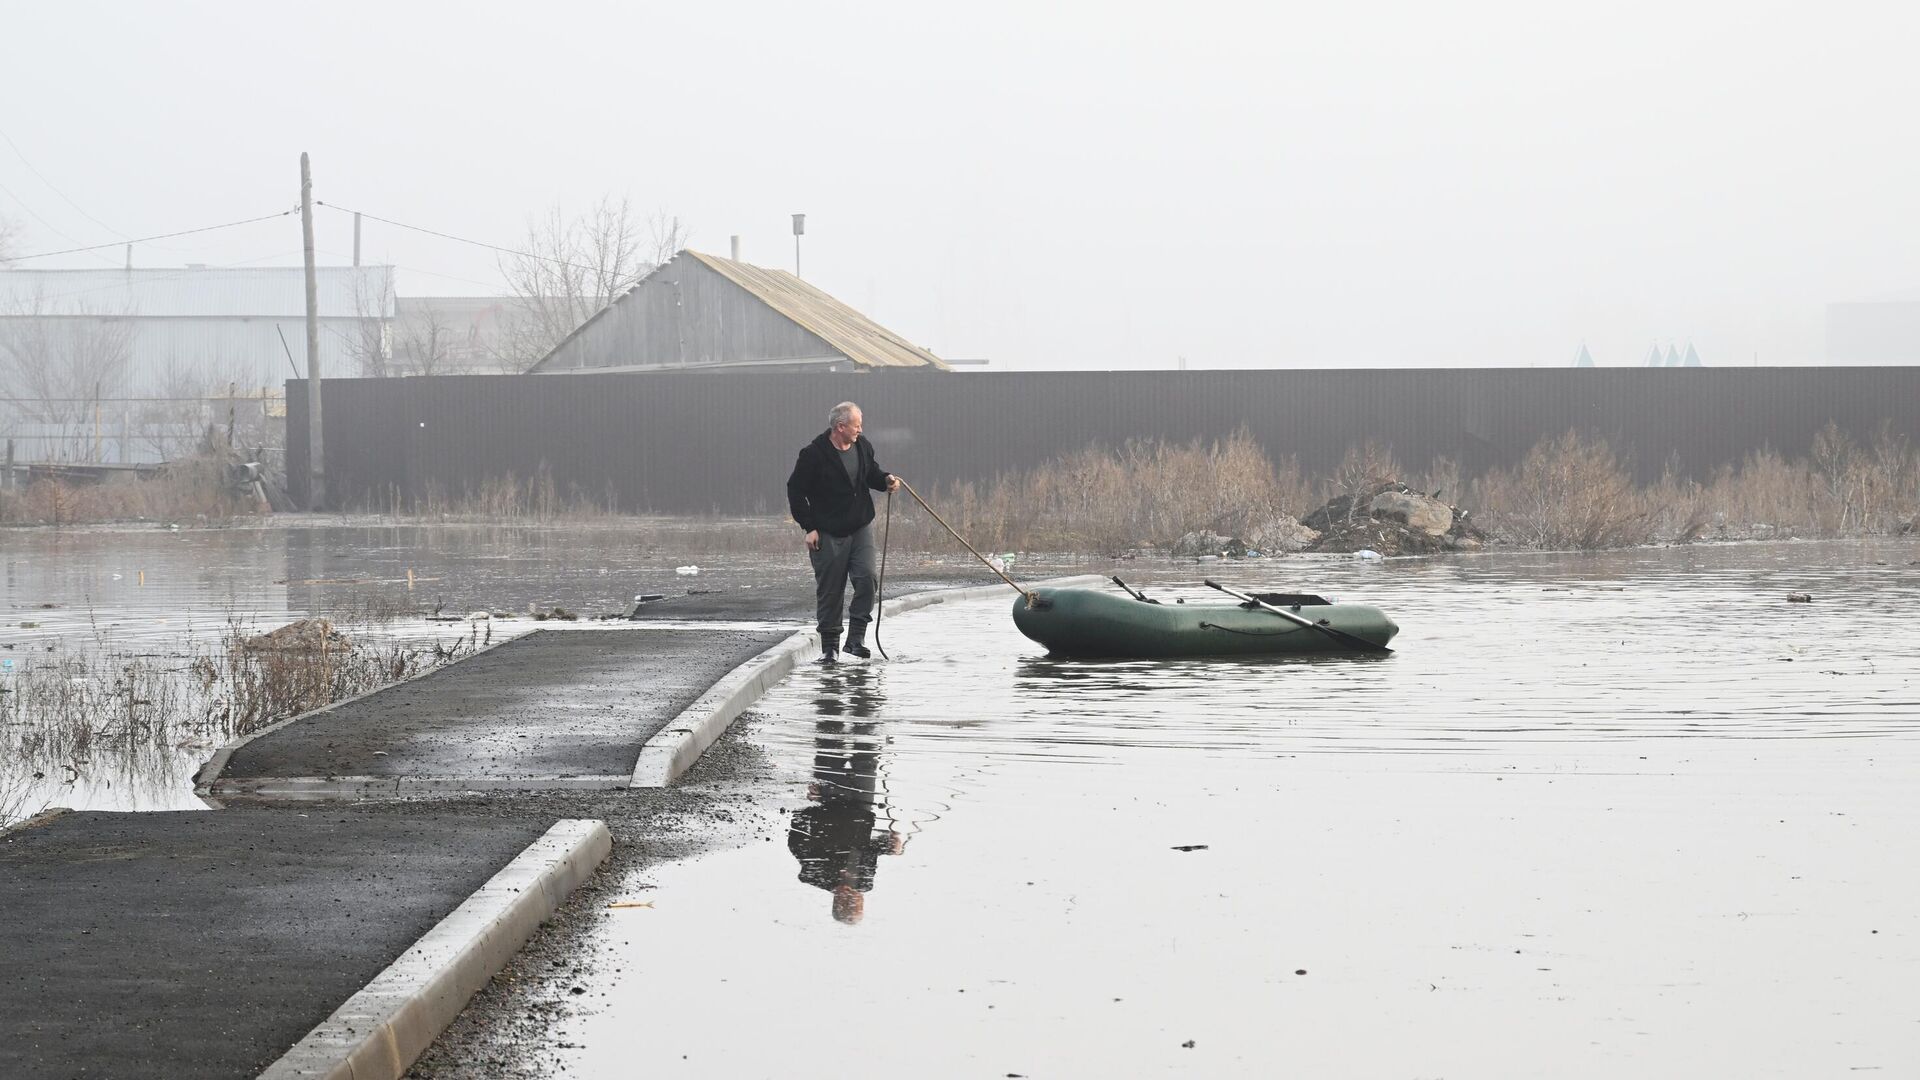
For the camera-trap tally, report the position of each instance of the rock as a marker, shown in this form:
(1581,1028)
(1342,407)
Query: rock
(1392,519)
(1278,533)
(1414,510)
(1207,543)
(1799,598)
(304,635)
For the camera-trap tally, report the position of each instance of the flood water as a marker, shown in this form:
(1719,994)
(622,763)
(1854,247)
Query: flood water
(106,598)
(1610,815)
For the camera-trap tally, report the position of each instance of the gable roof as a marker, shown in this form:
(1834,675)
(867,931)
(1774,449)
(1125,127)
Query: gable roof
(864,341)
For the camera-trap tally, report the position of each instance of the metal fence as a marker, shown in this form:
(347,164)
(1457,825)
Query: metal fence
(132,430)
(679,442)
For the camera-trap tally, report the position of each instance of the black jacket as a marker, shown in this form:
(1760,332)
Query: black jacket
(819,494)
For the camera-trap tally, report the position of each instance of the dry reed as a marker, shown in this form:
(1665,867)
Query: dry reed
(61,710)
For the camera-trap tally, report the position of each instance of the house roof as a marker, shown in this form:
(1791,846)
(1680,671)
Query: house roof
(860,338)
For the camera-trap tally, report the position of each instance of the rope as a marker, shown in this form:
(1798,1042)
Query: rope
(880,587)
(963,541)
(1251,633)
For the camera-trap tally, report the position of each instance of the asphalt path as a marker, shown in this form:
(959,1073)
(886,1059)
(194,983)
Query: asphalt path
(206,944)
(556,703)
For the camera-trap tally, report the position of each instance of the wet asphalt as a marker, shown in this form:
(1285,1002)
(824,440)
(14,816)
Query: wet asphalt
(207,944)
(556,703)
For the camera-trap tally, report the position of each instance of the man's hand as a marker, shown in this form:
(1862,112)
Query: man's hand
(813,539)
(893,483)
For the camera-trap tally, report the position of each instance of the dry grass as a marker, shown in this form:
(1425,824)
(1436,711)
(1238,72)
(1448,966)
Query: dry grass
(192,490)
(1569,492)
(1572,491)
(62,710)
(537,499)
(1576,492)
(1105,502)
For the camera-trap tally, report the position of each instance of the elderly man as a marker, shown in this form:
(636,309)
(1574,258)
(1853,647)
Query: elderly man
(828,493)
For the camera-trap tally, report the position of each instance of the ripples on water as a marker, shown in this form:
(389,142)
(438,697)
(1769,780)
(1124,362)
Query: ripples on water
(1630,814)
(1514,654)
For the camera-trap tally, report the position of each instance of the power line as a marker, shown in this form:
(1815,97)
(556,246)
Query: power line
(150,239)
(51,227)
(418,270)
(462,239)
(21,154)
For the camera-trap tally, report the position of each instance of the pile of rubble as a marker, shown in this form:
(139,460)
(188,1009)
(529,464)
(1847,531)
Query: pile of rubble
(1393,519)
(303,635)
(1389,518)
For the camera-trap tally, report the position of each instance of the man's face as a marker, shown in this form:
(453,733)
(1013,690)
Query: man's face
(849,428)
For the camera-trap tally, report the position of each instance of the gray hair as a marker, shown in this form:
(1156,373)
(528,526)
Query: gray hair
(841,413)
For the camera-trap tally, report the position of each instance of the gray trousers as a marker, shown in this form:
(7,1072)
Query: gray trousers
(837,560)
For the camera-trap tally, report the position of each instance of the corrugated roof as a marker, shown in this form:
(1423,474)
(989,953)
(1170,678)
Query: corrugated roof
(864,341)
(209,292)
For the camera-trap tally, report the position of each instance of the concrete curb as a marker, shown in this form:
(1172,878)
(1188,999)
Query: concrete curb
(379,1031)
(676,746)
(204,780)
(44,817)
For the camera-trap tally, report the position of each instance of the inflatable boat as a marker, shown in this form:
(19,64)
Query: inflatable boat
(1088,622)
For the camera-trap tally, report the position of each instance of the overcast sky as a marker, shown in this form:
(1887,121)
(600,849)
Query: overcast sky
(1047,186)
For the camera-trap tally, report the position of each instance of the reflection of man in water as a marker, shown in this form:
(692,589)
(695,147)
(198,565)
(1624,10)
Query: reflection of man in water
(838,839)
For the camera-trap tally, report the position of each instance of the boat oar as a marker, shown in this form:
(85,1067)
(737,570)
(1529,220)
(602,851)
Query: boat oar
(1133,592)
(1340,636)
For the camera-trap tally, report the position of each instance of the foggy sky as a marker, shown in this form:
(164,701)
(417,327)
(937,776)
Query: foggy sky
(1086,186)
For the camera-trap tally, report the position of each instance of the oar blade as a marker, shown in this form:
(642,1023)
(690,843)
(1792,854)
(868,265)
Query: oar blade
(1351,641)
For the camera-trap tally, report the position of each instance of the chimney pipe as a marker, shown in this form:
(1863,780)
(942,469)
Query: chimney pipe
(736,248)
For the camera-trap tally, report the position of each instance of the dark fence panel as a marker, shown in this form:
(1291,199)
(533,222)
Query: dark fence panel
(698,442)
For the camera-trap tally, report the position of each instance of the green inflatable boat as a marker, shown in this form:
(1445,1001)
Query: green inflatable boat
(1085,622)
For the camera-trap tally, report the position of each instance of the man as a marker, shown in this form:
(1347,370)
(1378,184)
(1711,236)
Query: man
(828,494)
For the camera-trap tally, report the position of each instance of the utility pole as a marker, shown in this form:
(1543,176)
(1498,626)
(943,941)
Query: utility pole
(316,450)
(356,239)
(799,226)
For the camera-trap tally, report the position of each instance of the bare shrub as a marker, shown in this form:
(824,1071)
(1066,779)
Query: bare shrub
(1106,501)
(1571,492)
(1678,507)
(1443,479)
(1362,470)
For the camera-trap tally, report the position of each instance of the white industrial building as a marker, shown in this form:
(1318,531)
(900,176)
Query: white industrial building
(86,354)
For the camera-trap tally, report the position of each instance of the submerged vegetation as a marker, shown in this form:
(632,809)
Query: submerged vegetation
(65,712)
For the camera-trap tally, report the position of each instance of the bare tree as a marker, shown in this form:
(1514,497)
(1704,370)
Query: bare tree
(428,343)
(9,240)
(56,365)
(370,340)
(573,267)
(667,236)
